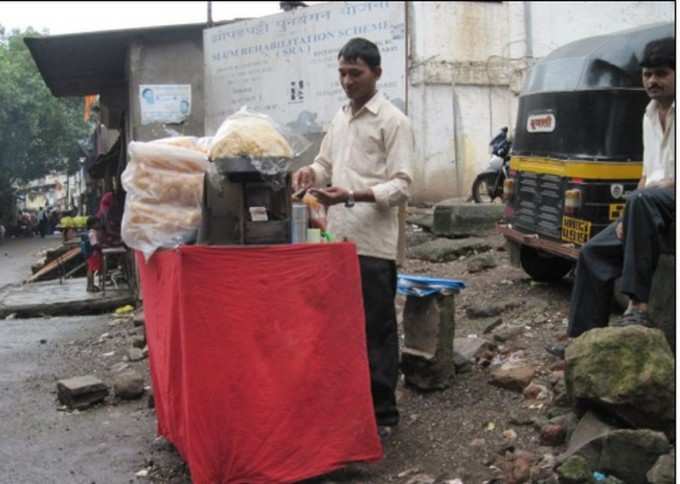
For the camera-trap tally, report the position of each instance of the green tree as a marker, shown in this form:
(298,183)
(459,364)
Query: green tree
(39,132)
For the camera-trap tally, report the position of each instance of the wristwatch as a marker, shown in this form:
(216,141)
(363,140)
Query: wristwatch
(350,200)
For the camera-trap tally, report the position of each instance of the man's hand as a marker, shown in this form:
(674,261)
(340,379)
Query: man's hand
(303,178)
(331,195)
(619,230)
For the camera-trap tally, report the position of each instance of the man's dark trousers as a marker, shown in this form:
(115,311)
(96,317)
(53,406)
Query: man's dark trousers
(379,286)
(647,218)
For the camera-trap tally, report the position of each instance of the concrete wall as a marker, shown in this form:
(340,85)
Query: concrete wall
(467,63)
(173,59)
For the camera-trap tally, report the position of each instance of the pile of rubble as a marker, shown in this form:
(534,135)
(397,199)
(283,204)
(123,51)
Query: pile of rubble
(607,410)
(81,392)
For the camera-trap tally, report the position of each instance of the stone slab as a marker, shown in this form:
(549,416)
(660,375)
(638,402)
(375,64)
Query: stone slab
(445,250)
(453,218)
(57,299)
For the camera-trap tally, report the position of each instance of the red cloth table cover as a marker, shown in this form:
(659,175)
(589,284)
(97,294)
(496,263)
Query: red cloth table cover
(258,360)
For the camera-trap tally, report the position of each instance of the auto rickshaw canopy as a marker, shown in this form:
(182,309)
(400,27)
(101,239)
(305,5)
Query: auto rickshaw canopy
(609,61)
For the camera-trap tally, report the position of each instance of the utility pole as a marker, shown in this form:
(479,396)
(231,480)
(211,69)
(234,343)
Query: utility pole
(210,19)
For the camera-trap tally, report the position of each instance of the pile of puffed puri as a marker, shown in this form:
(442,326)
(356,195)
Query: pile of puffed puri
(164,179)
(164,185)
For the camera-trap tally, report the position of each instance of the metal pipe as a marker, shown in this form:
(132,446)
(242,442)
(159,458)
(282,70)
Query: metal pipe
(528,39)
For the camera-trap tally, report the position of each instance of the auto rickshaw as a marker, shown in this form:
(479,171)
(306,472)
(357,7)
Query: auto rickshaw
(577,148)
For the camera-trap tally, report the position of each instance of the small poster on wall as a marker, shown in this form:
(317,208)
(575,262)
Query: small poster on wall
(164,103)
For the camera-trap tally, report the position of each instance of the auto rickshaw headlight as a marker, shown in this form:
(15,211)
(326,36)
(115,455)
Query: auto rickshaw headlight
(573,199)
(508,189)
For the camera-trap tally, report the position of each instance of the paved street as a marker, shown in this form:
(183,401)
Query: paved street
(17,255)
(40,443)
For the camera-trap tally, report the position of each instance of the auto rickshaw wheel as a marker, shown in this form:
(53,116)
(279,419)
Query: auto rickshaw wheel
(543,267)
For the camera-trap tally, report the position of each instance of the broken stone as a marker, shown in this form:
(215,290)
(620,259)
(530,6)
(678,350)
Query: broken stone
(517,418)
(630,454)
(478,443)
(128,385)
(628,370)
(663,471)
(421,479)
(81,392)
(469,349)
(553,435)
(135,354)
(568,421)
(138,320)
(589,429)
(513,378)
(138,342)
(427,356)
(481,262)
(492,324)
(535,392)
(447,250)
(488,310)
(118,367)
(626,454)
(507,332)
(521,467)
(575,470)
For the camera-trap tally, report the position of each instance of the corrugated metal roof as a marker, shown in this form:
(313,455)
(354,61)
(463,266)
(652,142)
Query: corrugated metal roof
(87,63)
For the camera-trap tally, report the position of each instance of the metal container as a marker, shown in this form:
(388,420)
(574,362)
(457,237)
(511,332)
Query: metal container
(299,221)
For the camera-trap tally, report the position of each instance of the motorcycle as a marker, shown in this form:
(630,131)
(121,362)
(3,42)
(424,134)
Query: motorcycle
(488,185)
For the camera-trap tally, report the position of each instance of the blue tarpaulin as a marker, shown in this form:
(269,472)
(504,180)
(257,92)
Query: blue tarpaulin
(422,286)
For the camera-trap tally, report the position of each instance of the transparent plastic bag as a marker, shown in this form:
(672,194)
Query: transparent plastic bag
(269,146)
(164,182)
(254,135)
(202,145)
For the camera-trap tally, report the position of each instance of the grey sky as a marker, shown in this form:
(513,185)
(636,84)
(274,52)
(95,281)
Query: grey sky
(72,17)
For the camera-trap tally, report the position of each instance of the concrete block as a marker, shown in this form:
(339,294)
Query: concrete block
(429,327)
(457,219)
(82,391)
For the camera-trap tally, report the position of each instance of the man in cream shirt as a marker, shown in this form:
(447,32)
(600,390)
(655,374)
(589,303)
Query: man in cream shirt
(367,158)
(630,247)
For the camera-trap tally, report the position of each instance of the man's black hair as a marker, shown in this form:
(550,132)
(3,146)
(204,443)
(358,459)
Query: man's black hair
(358,48)
(659,53)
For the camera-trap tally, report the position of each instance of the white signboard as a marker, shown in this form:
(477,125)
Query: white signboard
(285,65)
(164,103)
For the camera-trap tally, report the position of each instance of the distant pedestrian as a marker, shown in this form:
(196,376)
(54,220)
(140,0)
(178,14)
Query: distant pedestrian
(91,250)
(42,222)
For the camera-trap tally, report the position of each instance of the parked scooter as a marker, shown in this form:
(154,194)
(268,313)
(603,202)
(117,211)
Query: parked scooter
(488,185)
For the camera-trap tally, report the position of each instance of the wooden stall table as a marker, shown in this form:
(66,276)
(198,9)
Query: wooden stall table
(258,360)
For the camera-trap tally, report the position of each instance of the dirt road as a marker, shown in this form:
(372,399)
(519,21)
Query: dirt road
(459,433)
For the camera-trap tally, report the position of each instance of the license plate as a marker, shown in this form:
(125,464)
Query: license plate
(616,210)
(575,230)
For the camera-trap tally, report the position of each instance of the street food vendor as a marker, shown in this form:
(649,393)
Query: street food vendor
(367,159)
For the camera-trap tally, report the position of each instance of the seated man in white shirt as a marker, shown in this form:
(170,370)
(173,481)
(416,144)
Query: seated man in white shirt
(366,157)
(630,247)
